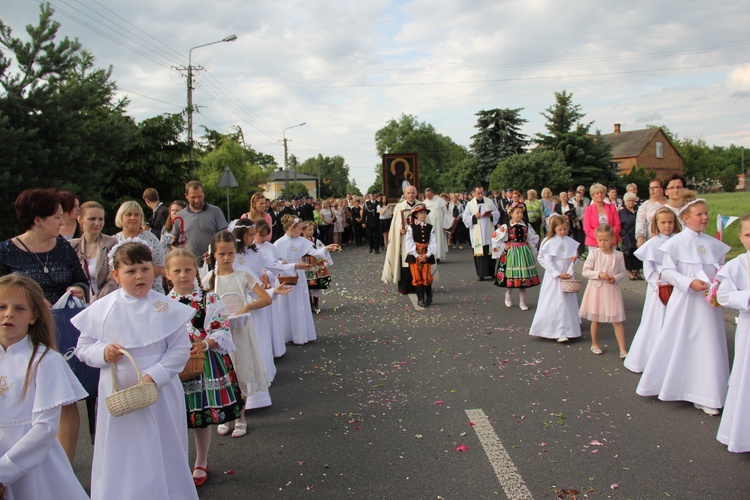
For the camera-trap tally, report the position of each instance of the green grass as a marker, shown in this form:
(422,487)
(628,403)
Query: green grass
(737,204)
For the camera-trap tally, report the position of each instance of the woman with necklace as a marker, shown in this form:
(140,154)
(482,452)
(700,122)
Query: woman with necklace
(92,249)
(46,257)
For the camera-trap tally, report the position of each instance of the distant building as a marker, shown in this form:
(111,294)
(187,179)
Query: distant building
(275,184)
(648,148)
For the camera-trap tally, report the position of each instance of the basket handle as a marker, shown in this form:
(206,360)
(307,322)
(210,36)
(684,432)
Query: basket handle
(112,370)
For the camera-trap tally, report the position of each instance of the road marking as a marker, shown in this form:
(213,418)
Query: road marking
(413,298)
(505,470)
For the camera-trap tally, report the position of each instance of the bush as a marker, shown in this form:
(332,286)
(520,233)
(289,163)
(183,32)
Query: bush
(729,181)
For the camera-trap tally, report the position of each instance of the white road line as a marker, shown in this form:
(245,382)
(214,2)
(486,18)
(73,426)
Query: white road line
(505,469)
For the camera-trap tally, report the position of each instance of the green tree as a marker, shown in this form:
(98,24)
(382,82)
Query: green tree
(536,170)
(588,155)
(295,189)
(641,177)
(499,136)
(60,124)
(408,135)
(332,171)
(230,153)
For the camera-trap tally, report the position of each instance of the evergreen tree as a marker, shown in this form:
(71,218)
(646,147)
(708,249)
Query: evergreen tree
(498,138)
(588,155)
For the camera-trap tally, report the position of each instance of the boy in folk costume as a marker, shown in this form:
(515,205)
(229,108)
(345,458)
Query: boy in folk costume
(395,267)
(421,245)
(480,216)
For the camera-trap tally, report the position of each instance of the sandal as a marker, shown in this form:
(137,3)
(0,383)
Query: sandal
(199,481)
(240,429)
(222,429)
(596,349)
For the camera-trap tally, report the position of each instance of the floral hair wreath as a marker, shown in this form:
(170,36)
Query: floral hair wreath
(515,205)
(689,204)
(111,254)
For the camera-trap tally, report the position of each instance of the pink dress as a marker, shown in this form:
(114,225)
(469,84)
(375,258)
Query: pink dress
(602,301)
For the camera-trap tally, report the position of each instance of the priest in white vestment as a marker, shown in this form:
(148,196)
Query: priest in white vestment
(440,220)
(480,216)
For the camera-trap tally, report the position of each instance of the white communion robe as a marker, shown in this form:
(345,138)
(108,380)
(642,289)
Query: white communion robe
(32,461)
(734,292)
(143,454)
(268,254)
(440,220)
(297,321)
(689,361)
(652,316)
(251,261)
(556,312)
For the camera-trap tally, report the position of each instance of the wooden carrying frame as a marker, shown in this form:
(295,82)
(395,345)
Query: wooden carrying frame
(399,169)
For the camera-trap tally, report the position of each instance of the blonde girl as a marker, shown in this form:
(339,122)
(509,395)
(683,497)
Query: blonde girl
(664,224)
(689,360)
(734,292)
(232,286)
(35,382)
(602,300)
(556,314)
(213,397)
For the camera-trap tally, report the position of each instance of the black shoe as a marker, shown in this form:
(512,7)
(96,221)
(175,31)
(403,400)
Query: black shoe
(481,278)
(428,298)
(421,303)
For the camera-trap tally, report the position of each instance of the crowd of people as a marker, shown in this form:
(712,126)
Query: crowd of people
(190,289)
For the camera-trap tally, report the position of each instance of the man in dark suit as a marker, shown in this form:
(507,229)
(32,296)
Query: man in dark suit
(371,222)
(159,213)
(277,211)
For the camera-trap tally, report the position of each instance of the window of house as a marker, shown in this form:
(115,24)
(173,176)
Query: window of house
(659,149)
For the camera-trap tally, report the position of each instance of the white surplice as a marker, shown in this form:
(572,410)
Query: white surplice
(689,360)
(268,254)
(151,442)
(440,220)
(734,292)
(32,461)
(482,235)
(556,312)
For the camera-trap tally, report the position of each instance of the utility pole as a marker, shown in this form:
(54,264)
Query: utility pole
(190,69)
(286,159)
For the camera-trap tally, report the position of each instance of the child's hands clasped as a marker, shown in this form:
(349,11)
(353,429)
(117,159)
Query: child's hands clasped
(564,276)
(603,276)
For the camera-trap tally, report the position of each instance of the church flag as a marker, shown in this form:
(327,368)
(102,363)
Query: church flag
(722,221)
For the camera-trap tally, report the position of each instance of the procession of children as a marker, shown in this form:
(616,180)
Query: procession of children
(203,350)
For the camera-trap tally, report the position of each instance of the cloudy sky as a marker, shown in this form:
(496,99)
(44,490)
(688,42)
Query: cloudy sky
(347,67)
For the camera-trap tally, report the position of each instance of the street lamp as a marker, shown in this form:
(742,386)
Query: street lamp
(229,38)
(286,159)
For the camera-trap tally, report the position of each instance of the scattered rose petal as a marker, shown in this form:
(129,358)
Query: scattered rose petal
(596,443)
(594,451)
(438,402)
(229,471)
(614,486)
(301,462)
(461,447)
(471,424)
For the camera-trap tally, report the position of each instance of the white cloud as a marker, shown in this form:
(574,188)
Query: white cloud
(346,68)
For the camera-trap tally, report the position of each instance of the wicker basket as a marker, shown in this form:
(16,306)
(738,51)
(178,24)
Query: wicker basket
(571,285)
(133,398)
(194,366)
(288,280)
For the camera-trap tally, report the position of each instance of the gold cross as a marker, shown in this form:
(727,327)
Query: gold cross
(161,307)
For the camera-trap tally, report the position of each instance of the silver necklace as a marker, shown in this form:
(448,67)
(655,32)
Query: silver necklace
(46,259)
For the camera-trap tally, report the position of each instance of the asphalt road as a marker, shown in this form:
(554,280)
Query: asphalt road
(395,402)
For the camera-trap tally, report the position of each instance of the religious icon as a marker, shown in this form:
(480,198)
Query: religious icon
(400,170)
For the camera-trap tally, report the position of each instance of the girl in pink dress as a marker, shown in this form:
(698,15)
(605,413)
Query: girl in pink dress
(602,300)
